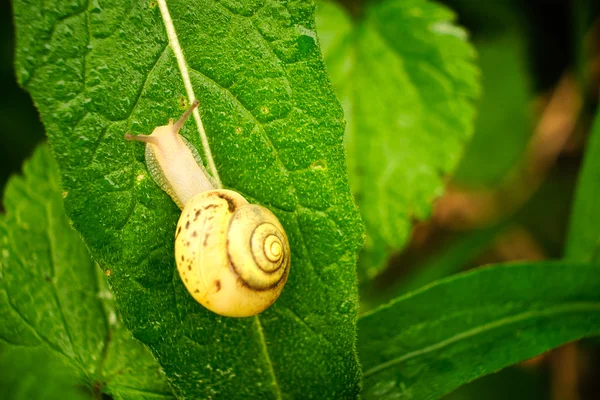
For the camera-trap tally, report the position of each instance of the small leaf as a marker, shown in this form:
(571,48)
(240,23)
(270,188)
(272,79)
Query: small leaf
(52,295)
(98,70)
(406,79)
(431,341)
(583,242)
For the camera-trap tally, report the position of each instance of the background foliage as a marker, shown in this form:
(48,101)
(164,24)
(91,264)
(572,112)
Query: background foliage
(466,145)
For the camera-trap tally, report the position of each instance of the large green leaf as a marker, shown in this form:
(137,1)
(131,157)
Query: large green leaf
(583,242)
(97,70)
(406,79)
(429,342)
(53,297)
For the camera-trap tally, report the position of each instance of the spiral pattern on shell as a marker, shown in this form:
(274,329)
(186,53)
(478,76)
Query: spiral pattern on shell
(233,257)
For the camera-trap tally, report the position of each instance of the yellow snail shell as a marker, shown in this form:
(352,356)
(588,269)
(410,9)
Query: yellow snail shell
(233,257)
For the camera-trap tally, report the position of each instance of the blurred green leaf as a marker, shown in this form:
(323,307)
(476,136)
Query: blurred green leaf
(453,257)
(585,13)
(486,18)
(431,341)
(52,296)
(503,126)
(406,78)
(514,383)
(99,69)
(583,242)
(37,373)
(546,214)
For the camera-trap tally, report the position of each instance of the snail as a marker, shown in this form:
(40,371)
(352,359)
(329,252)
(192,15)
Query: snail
(233,256)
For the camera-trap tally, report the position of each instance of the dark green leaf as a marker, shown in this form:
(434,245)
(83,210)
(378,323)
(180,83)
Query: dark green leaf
(454,256)
(100,69)
(514,383)
(583,242)
(404,73)
(52,295)
(503,125)
(585,14)
(37,373)
(429,342)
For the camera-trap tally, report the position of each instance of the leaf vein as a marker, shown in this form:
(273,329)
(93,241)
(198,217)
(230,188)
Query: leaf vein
(265,349)
(52,264)
(37,334)
(162,54)
(310,328)
(259,124)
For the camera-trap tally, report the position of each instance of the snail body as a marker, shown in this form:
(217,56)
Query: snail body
(232,256)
